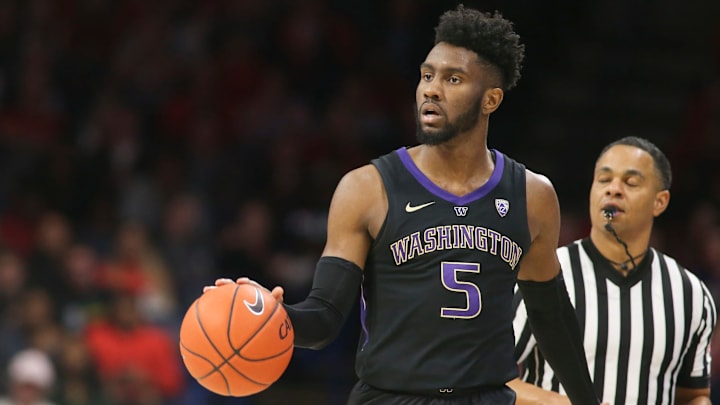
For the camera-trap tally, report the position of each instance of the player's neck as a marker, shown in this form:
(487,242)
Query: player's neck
(463,154)
(459,170)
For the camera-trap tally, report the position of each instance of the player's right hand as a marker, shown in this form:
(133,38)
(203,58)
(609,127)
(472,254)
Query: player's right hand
(276,292)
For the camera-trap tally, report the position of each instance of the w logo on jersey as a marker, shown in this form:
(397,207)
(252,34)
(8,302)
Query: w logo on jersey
(502,206)
(461,211)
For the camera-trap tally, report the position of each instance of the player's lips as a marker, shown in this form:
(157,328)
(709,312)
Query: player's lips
(430,113)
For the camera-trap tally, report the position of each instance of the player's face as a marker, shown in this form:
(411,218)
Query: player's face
(625,180)
(449,94)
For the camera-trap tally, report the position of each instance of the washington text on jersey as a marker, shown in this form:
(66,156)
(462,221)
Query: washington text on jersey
(456,237)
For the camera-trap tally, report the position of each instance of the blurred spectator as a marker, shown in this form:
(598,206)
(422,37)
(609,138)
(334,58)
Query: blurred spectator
(17,215)
(33,120)
(32,376)
(78,380)
(137,361)
(136,267)
(53,238)
(12,337)
(85,298)
(39,323)
(246,244)
(185,244)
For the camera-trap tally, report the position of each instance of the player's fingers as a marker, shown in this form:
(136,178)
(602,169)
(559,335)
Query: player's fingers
(223,281)
(245,280)
(277,293)
(219,282)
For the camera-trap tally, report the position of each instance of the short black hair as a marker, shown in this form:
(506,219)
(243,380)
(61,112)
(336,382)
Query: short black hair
(662,164)
(490,36)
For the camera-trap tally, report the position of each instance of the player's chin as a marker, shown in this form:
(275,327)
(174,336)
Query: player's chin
(432,136)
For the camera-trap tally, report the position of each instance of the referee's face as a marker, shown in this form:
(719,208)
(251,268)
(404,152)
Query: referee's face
(625,180)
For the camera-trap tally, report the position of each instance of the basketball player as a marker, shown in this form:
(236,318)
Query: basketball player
(647,321)
(435,237)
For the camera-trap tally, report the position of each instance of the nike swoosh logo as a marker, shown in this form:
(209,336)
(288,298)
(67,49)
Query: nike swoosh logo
(410,208)
(258,306)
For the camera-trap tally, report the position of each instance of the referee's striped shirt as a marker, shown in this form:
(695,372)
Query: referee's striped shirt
(642,333)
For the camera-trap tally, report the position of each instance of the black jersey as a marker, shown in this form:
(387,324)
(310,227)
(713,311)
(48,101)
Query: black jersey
(437,292)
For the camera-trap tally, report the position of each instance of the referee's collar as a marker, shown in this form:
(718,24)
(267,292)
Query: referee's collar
(604,267)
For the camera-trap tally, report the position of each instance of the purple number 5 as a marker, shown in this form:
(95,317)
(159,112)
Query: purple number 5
(473,304)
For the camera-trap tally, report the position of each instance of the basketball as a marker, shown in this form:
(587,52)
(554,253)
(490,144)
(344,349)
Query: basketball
(236,340)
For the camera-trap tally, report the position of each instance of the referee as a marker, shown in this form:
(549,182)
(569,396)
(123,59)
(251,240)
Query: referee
(647,321)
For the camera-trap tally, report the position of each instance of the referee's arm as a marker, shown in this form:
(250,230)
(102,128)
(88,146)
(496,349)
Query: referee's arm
(696,366)
(692,396)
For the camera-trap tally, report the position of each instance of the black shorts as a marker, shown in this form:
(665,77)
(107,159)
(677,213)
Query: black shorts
(363,394)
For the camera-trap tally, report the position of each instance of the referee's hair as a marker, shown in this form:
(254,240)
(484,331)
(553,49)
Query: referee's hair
(662,164)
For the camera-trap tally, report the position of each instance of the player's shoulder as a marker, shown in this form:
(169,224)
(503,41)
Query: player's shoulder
(360,198)
(539,182)
(540,190)
(361,187)
(361,178)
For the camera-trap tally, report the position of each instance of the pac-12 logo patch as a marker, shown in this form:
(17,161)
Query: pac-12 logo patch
(502,206)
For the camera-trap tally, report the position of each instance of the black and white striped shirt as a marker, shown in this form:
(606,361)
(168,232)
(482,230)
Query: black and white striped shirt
(643,334)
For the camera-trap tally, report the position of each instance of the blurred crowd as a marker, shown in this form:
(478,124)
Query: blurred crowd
(150,147)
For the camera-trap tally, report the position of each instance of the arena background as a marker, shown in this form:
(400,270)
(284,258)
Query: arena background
(149,147)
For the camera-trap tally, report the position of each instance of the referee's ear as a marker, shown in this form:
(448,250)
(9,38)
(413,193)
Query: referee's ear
(662,199)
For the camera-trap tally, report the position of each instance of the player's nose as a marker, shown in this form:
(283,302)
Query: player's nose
(432,90)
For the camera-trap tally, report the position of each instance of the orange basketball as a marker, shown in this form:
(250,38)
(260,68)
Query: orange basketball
(236,340)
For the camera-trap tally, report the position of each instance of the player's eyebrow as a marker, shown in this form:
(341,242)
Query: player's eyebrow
(446,70)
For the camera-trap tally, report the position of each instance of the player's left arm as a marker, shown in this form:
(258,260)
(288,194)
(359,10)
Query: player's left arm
(524,339)
(317,319)
(540,262)
(550,313)
(356,210)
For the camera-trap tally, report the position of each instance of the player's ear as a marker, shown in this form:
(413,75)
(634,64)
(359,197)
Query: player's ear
(662,199)
(491,100)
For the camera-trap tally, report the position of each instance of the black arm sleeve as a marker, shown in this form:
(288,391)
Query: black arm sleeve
(318,319)
(553,321)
